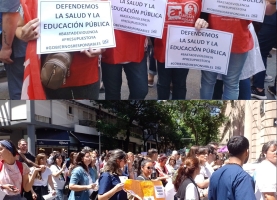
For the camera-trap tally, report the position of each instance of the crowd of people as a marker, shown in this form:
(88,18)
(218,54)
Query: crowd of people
(205,172)
(248,58)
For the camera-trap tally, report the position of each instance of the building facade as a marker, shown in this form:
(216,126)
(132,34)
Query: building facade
(59,125)
(255,119)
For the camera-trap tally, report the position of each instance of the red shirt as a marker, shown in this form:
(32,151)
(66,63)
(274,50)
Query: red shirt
(181,13)
(129,48)
(83,70)
(242,39)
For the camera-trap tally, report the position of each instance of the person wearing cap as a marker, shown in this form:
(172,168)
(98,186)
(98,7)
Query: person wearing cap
(12,179)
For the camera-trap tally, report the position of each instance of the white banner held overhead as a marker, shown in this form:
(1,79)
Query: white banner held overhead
(144,17)
(253,10)
(67,26)
(202,50)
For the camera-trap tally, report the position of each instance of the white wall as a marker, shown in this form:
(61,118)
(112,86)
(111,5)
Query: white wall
(43,108)
(18,109)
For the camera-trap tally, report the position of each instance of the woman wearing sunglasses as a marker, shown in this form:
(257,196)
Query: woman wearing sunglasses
(145,170)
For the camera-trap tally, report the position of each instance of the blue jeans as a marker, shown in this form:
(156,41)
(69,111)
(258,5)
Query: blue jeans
(178,77)
(267,37)
(230,81)
(59,193)
(244,89)
(152,61)
(15,75)
(136,74)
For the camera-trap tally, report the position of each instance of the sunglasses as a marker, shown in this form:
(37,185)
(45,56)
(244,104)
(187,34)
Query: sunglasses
(150,168)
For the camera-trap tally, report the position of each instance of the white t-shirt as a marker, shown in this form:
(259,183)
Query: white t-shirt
(191,192)
(44,177)
(58,181)
(265,179)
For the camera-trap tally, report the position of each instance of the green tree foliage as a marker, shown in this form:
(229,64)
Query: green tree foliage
(169,123)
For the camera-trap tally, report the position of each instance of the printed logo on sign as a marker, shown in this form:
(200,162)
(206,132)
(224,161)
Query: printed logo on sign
(174,12)
(190,11)
(185,12)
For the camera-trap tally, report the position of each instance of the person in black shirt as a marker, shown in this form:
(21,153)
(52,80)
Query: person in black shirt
(23,149)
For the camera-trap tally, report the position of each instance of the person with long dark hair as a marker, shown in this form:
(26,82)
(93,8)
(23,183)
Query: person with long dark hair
(59,173)
(145,169)
(266,184)
(110,186)
(184,183)
(14,175)
(81,183)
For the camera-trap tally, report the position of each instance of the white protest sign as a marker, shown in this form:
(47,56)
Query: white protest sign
(67,26)
(159,192)
(144,17)
(203,50)
(243,9)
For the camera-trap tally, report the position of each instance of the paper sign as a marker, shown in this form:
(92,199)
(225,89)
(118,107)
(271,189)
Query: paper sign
(243,9)
(159,192)
(203,50)
(144,17)
(148,198)
(49,196)
(123,179)
(67,26)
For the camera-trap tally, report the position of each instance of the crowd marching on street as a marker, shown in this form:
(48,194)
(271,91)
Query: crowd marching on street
(205,172)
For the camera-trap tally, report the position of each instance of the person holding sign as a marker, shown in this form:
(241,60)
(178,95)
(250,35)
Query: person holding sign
(110,186)
(242,43)
(83,82)
(182,13)
(129,54)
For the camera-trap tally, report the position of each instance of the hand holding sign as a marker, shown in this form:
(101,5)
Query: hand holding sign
(30,31)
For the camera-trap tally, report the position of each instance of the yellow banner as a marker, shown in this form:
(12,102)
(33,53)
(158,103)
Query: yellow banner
(145,190)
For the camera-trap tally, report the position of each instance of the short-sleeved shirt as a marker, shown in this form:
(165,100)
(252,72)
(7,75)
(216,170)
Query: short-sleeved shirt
(187,190)
(7,6)
(265,181)
(58,181)
(108,182)
(44,177)
(231,182)
(10,174)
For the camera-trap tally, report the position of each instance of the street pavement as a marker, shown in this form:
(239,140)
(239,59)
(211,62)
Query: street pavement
(193,84)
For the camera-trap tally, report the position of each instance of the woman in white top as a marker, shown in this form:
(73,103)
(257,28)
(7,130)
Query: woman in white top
(184,183)
(14,175)
(59,173)
(171,164)
(266,183)
(40,186)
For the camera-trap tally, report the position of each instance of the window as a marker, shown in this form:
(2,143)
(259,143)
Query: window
(70,110)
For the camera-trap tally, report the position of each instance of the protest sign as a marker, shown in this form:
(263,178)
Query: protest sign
(144,17)
(145,190)
(243,9)
(74,26)
(203,50)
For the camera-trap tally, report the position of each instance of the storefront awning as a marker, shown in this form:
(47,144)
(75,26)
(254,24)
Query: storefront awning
(52,137)
(91,141)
